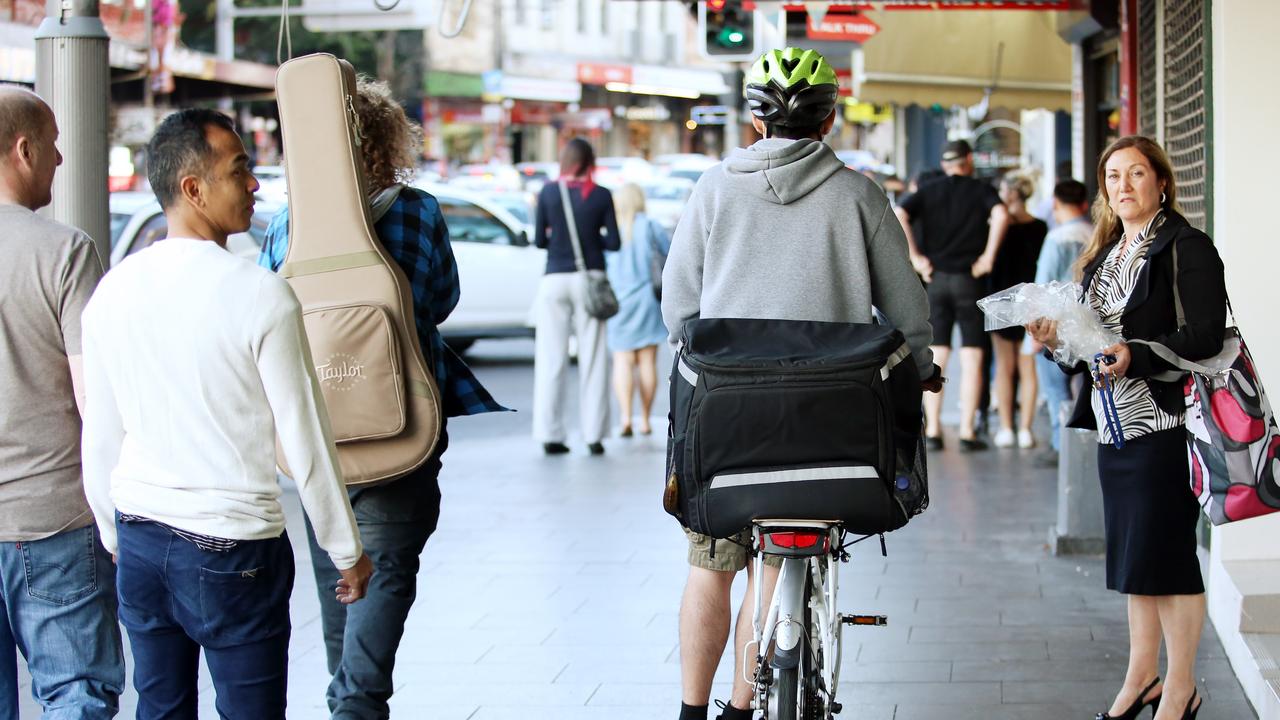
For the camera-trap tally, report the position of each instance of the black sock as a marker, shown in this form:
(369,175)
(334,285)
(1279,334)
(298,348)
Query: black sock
(733,713)
(693,712)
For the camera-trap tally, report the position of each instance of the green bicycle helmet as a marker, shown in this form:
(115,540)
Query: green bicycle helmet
(792,87)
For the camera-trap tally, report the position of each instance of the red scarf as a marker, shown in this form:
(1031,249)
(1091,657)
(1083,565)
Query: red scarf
(585,185)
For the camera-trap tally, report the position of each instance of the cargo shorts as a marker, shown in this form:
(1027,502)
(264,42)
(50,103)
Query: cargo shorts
(731,553)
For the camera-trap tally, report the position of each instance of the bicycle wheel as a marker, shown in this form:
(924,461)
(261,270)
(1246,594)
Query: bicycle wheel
(790,693)
(787,689)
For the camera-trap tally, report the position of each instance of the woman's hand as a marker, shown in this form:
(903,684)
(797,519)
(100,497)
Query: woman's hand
(1123,357)
(1044,332)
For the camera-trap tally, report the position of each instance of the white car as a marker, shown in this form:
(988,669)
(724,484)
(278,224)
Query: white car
(498,266)
(137,221)
(666,199)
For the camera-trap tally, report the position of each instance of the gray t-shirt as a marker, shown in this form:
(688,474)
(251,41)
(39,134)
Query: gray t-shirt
(47,273)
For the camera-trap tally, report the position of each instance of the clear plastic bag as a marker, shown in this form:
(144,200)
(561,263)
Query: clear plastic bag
(1080,333)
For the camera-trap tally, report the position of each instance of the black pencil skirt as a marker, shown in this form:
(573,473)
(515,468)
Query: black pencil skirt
(1151,516)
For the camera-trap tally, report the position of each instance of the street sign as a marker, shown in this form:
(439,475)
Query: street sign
(709,114)
(847,27)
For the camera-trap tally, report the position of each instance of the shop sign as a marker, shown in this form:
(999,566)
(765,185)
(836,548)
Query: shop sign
(845,27)
(655,113)
(601,74)
(710,114)
(867,113)
(499,85)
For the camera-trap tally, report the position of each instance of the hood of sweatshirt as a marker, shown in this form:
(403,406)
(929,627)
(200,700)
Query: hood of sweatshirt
(780,170)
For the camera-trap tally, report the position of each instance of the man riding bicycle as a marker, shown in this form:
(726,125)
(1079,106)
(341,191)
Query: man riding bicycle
(779,230)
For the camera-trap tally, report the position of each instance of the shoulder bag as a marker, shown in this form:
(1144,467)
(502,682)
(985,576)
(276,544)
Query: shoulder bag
(1233,444)
(601,303)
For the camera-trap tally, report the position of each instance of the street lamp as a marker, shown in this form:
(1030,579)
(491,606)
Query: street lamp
(74,78)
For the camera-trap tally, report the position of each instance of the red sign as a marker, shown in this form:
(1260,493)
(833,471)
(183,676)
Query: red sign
(846,27)
(598,74)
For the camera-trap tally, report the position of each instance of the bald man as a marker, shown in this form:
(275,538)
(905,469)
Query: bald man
(57,583)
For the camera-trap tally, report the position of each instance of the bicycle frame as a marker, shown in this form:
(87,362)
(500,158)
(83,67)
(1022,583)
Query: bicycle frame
(784,626)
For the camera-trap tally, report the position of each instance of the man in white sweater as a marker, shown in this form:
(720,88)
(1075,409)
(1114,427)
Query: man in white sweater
(192,357)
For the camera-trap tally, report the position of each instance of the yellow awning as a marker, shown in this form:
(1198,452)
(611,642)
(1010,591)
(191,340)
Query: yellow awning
(949,57)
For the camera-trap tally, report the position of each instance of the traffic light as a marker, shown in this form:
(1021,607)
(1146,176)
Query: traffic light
(726,31)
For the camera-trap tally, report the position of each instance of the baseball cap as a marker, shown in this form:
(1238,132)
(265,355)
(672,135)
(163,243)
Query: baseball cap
(956,150)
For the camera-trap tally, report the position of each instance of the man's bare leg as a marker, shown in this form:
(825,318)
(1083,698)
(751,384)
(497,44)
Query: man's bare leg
(745,633)
(704,631)
(970,389)
(933,401)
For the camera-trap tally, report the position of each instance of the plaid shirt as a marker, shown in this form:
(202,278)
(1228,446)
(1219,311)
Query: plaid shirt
(414,233)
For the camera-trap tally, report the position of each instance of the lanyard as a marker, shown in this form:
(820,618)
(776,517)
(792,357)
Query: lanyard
(1102,382)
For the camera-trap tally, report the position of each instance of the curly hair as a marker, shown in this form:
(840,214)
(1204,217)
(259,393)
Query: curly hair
(392,142)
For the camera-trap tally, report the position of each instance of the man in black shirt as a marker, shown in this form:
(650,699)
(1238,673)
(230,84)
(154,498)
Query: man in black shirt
(963,225)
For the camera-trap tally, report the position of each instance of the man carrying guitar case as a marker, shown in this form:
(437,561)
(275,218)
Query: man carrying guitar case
(371,262)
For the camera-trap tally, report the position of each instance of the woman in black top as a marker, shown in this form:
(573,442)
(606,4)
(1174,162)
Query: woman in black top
(1149,509)
(560,308)
(1016,263)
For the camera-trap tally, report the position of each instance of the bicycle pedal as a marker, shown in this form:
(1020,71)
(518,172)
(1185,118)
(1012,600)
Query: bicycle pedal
(865,620)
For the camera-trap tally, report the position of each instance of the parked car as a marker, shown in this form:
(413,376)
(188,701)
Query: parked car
(536,174)
(863,160)
(500,270)
(666,199)
(685,166)
(141,222)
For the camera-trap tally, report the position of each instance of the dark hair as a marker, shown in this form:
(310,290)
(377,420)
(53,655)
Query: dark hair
(576,158)
(793,132)
(1071,192)
(179,147)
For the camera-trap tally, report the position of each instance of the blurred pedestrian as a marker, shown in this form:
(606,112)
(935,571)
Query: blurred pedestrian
(1015,264)
(560,310)
(964,224)
(1062,247)
(634,333)
(196,369)
(1130,279)
(57,584)
(397,518)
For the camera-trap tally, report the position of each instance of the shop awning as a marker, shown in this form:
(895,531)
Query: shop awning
(949,58)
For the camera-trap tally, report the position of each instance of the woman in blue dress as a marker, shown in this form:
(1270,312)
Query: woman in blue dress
(634,333)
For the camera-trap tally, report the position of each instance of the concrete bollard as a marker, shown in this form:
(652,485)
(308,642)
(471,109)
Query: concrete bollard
(1079,530)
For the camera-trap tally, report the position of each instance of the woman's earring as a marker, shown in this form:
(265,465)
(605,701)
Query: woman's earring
(1162,198)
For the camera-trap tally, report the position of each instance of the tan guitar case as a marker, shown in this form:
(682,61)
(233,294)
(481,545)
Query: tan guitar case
(383,402)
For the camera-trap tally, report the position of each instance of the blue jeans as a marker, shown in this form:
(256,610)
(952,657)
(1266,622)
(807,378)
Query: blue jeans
(361,639)
(58,607)
(176,599)
(1055,386)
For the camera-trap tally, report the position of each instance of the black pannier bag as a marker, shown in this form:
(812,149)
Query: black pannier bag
(788,419)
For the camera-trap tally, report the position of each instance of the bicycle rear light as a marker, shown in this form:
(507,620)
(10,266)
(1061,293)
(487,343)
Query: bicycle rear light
(796,542)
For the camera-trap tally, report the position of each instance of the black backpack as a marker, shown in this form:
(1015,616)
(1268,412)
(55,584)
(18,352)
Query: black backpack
(794,419)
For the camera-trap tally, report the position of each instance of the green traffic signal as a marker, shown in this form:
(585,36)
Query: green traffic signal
(730,37)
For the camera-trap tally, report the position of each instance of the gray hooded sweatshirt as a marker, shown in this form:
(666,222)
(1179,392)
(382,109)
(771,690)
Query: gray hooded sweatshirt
(783,230)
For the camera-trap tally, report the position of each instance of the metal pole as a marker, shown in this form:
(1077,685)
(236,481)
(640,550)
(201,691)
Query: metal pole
(73,75)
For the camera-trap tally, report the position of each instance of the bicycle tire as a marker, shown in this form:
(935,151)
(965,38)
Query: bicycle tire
(788,694)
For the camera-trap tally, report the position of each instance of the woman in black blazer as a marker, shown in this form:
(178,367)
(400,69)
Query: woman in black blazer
(1129,280)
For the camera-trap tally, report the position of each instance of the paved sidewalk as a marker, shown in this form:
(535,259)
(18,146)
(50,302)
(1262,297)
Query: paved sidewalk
(551,589)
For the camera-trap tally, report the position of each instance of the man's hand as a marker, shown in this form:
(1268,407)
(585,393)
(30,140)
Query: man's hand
(1044,332)
(354,581)
(935,381)
(982,266)
(923,267)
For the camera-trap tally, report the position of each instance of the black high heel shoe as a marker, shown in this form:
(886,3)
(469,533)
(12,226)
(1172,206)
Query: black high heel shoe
(1140,704)
(1190,712)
